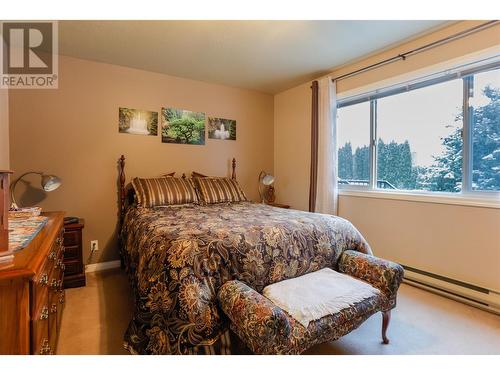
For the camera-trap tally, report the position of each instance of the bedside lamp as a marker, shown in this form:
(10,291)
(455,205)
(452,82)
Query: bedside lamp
(266,180)
(48,183)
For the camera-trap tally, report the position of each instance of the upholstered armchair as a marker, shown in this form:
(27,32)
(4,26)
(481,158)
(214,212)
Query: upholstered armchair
(267,329)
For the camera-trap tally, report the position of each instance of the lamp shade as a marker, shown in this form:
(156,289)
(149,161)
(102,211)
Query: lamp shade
(50,182)
(267,179)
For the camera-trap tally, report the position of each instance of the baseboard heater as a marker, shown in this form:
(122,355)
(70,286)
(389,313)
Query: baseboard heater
(470,294)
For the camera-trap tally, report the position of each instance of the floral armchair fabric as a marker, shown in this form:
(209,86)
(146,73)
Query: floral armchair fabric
(267,329)
(380,273)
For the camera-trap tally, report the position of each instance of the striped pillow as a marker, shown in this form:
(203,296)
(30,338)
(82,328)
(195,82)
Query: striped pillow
(219,190)
(163,191)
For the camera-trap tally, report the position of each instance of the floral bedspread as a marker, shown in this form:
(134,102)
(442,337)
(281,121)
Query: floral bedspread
(177,259)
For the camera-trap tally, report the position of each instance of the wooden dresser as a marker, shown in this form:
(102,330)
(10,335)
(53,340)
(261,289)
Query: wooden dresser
(74,274)
(32,294)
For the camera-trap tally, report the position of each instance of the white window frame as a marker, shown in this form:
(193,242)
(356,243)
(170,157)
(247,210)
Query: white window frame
(467,196)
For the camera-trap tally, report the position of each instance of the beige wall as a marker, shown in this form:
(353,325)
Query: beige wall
(455,241)
(73,132)
(4,129)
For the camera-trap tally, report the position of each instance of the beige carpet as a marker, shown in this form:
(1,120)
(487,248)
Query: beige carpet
(96,316)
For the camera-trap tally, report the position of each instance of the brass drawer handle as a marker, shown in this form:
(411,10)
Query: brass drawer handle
(45,349)
(53,308)
(58,240)
(52,255)
(45,313)
(53,284)
(44,280)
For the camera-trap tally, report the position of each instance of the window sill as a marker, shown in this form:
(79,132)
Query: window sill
(437,198)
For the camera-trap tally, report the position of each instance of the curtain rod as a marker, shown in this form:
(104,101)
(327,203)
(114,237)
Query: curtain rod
(403,56)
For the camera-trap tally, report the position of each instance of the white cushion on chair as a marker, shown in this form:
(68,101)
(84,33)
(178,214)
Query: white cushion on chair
(318,294)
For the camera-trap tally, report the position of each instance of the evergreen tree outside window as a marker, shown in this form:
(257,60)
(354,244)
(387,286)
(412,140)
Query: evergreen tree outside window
(354,137)
(412,129)
(485,105)
(418,136)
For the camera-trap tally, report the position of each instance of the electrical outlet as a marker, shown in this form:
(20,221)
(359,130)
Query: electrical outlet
(94,245)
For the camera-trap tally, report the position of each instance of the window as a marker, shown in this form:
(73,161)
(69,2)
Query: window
(420,136)
(485,106)
(354,144)
(419,145)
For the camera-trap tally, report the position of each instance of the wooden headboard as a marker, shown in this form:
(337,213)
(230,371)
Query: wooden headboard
(125,191)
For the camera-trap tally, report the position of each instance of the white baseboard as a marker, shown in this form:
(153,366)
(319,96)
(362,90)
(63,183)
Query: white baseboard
(488,299)
(94,267)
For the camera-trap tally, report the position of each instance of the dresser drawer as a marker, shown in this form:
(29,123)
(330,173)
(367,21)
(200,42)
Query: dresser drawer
(40,331)
(49,278)
(72,238)
(40,296)
(72,267)
(56,282)
(60,307)
(59,266)
(42,348)
(53,318)
(71,252)
(52,261)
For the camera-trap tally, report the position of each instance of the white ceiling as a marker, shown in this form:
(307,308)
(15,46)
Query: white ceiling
(267,56)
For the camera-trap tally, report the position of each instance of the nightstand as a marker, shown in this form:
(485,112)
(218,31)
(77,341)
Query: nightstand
(278,205)
(74,272)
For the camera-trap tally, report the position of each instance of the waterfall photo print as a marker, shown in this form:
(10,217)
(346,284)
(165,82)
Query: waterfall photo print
(135,121)
(221,128)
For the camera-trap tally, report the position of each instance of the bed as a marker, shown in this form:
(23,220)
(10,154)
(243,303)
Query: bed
(178,257)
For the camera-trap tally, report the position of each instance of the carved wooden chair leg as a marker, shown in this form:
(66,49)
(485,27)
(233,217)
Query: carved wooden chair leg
(386,317)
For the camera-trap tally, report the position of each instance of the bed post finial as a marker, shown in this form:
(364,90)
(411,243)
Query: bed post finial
(233,164)
(121,163)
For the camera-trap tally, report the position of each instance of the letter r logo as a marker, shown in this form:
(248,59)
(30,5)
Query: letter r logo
(27,47)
